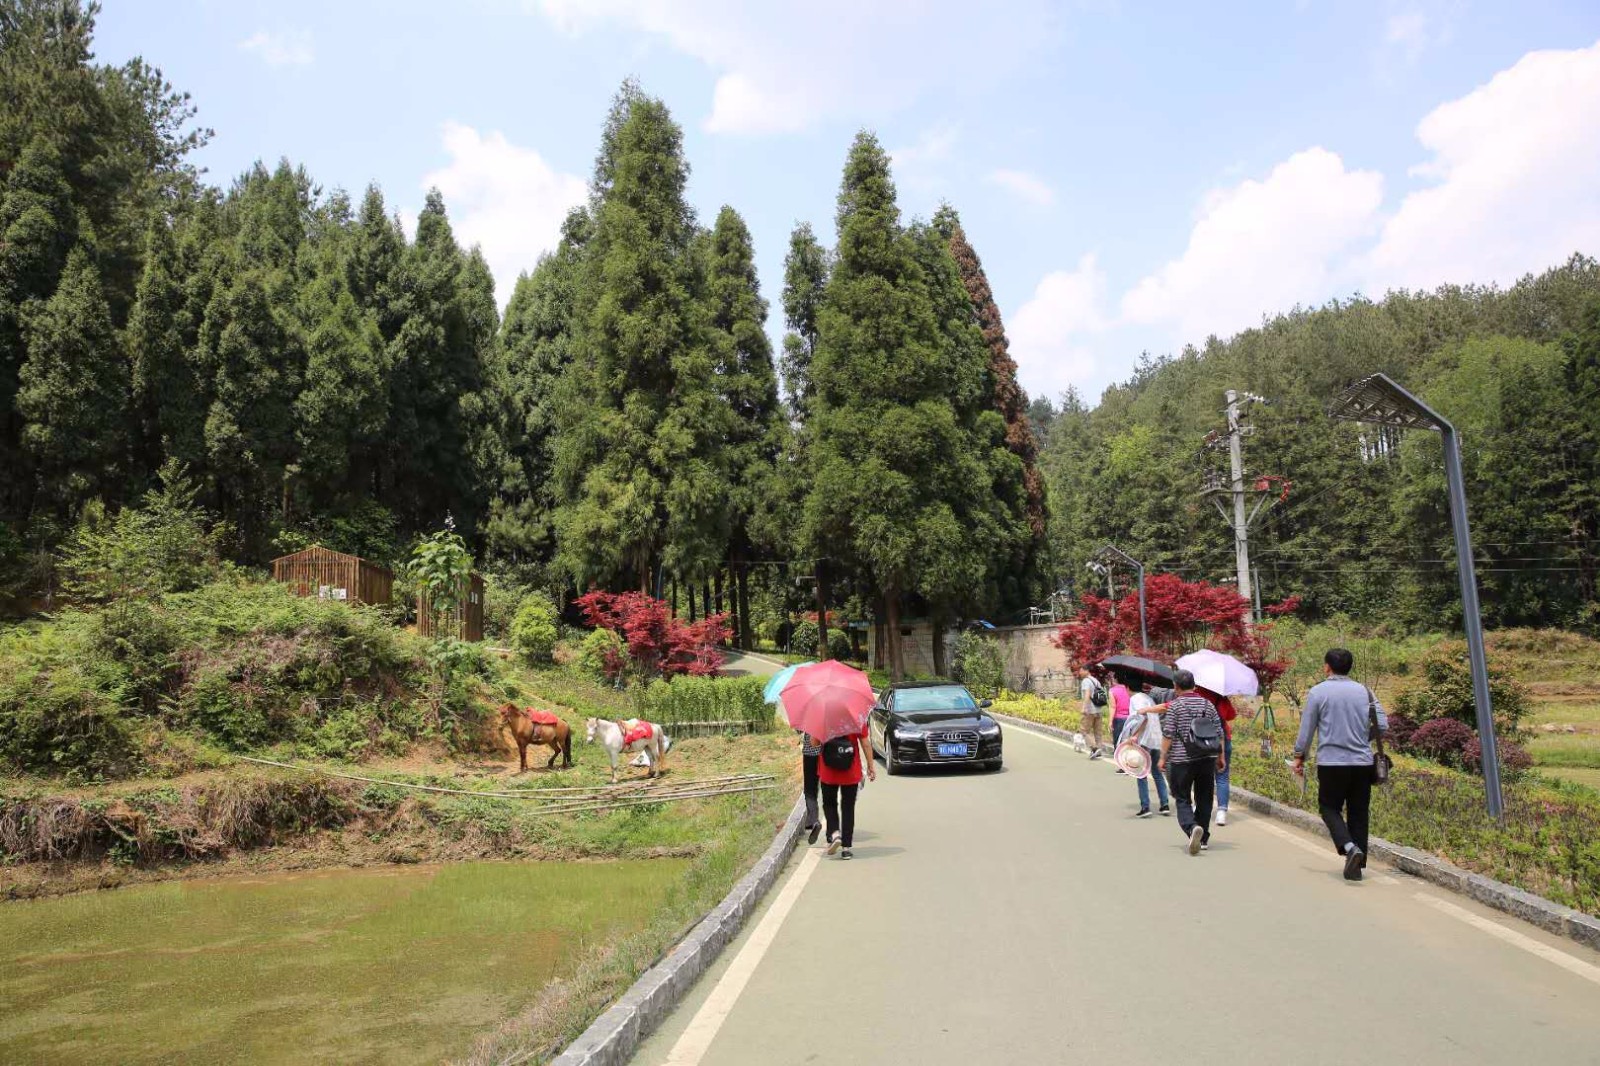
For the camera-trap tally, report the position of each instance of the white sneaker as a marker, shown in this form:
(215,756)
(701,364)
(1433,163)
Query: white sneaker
(1222,816)
(833,842)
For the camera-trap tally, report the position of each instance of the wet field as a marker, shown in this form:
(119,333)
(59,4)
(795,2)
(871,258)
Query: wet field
(391,964)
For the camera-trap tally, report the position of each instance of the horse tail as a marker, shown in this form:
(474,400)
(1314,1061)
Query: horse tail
(566,745)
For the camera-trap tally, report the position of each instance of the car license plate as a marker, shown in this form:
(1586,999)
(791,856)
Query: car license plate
(953,751)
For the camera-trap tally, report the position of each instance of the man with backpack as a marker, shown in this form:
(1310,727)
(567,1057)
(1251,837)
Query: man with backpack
(1095,699)
(1191,757)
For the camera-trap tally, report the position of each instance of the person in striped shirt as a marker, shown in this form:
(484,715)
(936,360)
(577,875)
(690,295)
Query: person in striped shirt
(810,749)
(1192,777)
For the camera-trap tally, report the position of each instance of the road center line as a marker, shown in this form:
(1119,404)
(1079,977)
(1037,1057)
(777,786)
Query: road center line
(707,1021)
(1585,970)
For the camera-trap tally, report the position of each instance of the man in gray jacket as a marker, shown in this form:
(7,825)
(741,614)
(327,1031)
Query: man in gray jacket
(1338,711)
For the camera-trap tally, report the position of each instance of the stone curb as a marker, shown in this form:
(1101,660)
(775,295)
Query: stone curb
(612,1038)
(1547,915)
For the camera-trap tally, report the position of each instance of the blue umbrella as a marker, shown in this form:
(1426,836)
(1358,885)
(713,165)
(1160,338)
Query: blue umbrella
(781,678)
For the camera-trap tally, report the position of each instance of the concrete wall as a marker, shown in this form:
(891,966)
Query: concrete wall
(1033,664)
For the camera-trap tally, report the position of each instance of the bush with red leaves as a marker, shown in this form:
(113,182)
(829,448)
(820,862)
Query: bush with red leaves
(658,643)
(1401,730)
(1442,740)
(1514,759)
(1180,617)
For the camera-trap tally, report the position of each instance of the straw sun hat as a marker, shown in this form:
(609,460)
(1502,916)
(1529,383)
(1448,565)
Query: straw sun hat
(1133,759)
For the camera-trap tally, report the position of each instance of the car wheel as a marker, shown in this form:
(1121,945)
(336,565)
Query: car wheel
(890,766)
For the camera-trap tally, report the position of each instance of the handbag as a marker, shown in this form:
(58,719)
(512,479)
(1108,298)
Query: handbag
(1382,765)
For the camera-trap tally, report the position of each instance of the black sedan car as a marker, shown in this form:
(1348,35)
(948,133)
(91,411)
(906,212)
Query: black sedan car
(933,723)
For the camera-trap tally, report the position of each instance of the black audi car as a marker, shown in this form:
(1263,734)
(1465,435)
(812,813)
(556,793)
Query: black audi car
(933,723)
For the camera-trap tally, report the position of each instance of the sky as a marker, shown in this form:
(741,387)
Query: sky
(1136,176)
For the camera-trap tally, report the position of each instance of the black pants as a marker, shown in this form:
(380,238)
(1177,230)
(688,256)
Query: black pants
(809,763)
(1344,796)
(831,795)
(1194,786)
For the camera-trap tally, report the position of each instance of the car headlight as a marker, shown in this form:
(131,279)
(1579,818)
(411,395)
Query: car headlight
(990,730)
(906,736)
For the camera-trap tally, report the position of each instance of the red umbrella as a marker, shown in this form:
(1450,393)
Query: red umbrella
(828,699)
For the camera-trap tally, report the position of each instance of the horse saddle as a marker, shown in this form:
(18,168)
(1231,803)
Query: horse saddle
(642,731)
(541,717)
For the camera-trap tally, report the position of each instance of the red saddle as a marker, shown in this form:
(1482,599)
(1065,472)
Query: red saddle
(643,731)
(541,717)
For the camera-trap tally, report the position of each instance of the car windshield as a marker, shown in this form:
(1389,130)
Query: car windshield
(935,698)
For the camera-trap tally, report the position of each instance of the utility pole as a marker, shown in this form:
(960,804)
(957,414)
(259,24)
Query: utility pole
(1235,512)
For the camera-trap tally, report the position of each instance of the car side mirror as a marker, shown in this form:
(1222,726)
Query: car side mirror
(986,703)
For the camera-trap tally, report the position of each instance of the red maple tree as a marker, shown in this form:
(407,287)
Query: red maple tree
(1180,616)
(658,643)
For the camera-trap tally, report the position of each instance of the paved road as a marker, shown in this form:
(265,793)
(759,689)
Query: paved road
(740,664)
(1025,917)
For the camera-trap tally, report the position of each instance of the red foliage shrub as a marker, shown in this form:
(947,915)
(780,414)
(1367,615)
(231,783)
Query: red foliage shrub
(1180,617)
(1401,730)
(1514,759)
(1285,607)
(657,642)
(1443,740)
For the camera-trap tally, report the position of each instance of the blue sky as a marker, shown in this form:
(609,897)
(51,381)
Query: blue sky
(1136,176)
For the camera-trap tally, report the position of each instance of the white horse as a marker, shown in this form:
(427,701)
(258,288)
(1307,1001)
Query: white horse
(610,735)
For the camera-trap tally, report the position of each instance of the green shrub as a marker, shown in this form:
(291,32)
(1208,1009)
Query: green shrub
(979,663)
(839,644)
(534,630)
(61,707)
(705,699)
(804,639)
(602,655)
(1445,691)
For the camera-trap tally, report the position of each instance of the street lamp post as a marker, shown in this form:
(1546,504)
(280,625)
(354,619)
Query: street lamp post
(1110,552)
(1378,400)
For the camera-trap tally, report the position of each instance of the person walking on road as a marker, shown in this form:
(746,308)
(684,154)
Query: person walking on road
(1144,724)
(1343,714)
(1227,712)
(1094,706)
(839,768)
(809,751)
(1191,756)
(1121,702)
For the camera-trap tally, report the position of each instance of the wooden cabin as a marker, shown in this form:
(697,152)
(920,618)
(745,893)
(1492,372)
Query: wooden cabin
(331,575)
(464,623)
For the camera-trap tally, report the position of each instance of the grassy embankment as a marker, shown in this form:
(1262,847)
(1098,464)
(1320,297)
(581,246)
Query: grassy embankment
(1550,843)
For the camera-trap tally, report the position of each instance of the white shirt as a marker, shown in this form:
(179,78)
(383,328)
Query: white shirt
(1149,725)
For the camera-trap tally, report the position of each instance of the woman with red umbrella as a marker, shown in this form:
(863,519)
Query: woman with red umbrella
(833,700)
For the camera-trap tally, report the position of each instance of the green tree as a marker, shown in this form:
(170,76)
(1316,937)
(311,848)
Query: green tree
(169,399)
(805,279)
(73,392)
(637,487)
(747,389)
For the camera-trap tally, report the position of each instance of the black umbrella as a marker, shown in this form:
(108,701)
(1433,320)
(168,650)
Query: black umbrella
(1138,664)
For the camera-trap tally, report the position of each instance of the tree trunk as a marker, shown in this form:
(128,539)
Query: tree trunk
(718,580)
(689,588)
(747,635)
(939,669)
(822,614)
(705,597)
(674,596)
(897,668)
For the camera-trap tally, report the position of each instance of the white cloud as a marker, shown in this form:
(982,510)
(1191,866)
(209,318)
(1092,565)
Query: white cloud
(782,67)
(504,198)
(291,48)
(1029,187)
(1407,31)
(1048,334)
(1262,246)
(1515,167)
(933,147)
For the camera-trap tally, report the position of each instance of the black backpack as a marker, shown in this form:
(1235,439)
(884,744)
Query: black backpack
(1098,695)
(839,753)
(1203,738)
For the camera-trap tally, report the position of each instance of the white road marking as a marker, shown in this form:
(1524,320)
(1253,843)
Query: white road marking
(707,1021)
(1585,970)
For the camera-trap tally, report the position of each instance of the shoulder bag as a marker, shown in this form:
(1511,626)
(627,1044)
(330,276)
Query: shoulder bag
(1382,765)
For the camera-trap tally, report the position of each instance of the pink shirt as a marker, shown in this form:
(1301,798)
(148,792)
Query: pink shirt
(1120,699)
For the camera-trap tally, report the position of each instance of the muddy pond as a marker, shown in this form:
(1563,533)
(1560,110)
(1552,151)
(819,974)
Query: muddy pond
(395,964)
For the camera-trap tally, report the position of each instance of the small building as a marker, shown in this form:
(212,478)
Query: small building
(1032,661)
(331,575)
(463,623)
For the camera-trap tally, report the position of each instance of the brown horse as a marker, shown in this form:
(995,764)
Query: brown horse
(557,737)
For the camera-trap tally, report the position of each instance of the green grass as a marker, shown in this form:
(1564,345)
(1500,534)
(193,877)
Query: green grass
(398,964)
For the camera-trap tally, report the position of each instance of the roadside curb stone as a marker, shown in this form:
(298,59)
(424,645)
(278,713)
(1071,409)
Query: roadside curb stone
(1536,910)
(612,1038)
